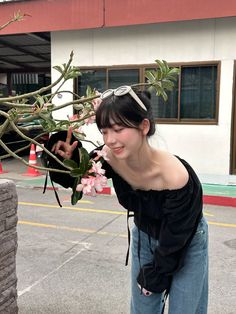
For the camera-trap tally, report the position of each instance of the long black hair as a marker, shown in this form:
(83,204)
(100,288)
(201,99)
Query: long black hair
(125,111)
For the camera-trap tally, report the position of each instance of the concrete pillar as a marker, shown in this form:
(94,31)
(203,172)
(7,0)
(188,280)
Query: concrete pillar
(8,247)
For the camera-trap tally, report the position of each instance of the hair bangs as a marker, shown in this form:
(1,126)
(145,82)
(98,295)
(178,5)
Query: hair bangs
(109,114)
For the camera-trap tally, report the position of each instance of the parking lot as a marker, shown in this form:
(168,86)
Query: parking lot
(71,259)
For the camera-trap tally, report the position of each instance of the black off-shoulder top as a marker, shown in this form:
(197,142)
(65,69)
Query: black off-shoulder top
(170,216)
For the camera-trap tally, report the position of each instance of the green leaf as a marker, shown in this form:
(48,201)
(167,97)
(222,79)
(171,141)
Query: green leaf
(63,123)
(162,79)
(168,85)
(84,159)
(76,196)
(150,76)
(40,100)
(164,95)
(77,172)
(89,91)
(174,71)
(58,68)
(71,73)
(70,163)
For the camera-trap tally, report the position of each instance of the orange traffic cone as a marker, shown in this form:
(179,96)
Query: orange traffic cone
(1,170)
(32,172)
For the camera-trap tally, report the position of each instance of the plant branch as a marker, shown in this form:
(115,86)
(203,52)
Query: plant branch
(16,18)
(22,148)
(78,101)
(26,163)
(4,127)
(17,105)
(14,127)
(88,141)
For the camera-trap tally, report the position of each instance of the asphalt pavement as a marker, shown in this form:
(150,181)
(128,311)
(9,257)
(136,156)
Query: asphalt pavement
(70,260)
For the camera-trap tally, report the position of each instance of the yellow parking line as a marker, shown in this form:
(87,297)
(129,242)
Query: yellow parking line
(221,224)
(207,214)
(80,201)
(50,226)
(103,233)
(83,201)
(87,209)
(105,211)
(92,210)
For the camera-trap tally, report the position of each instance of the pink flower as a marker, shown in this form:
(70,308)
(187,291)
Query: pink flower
(100,183)
(101,154)
(87,186)
(79,130)
(74,117)
(97,168)
(90,185)
(90,120)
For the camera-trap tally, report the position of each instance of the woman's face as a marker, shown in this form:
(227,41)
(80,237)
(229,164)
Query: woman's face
(122,141)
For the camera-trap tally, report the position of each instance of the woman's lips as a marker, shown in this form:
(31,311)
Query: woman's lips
(117,150)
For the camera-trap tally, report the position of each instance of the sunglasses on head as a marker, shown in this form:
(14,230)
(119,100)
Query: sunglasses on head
(121,91)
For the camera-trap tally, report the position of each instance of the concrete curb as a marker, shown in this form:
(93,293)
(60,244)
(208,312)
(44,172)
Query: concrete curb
(227,201)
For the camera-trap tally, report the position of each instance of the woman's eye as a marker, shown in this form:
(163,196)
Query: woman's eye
(118,130)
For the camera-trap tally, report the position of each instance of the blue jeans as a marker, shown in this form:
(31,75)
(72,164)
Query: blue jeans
(189,288)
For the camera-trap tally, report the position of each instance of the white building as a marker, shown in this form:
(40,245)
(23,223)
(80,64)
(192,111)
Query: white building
(115,41)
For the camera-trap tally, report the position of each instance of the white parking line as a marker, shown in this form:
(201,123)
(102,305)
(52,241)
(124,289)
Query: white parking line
(85,246)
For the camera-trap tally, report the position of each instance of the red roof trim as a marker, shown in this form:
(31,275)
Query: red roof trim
(130,12)
(52,15)
(56,15)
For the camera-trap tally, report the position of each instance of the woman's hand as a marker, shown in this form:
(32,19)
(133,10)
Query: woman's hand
(144,291)
(65,149)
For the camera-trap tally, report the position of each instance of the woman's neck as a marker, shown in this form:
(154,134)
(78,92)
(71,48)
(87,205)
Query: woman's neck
(144,159)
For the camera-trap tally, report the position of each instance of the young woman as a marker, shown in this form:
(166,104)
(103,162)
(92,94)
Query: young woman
(169,240)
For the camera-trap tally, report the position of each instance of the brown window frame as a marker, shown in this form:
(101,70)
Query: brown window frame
(233,127)
(142,68)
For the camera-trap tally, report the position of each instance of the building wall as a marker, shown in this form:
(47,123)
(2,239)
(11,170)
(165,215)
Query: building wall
(206,147)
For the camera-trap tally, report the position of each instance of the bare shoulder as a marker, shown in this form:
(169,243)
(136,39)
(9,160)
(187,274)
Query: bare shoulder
(174,173)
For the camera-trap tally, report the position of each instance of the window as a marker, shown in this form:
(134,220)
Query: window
(194,98)
(95,78)
(118,77)
(102,79)
(198,92)
(29,82)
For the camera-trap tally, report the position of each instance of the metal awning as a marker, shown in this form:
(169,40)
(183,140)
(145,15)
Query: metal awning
(25,52)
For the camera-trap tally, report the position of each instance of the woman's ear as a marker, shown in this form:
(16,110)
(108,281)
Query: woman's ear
(145,126)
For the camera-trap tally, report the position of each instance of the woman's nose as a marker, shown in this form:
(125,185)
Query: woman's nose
(109,138)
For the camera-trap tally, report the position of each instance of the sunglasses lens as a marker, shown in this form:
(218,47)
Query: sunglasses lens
(107,93)
(122,90)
